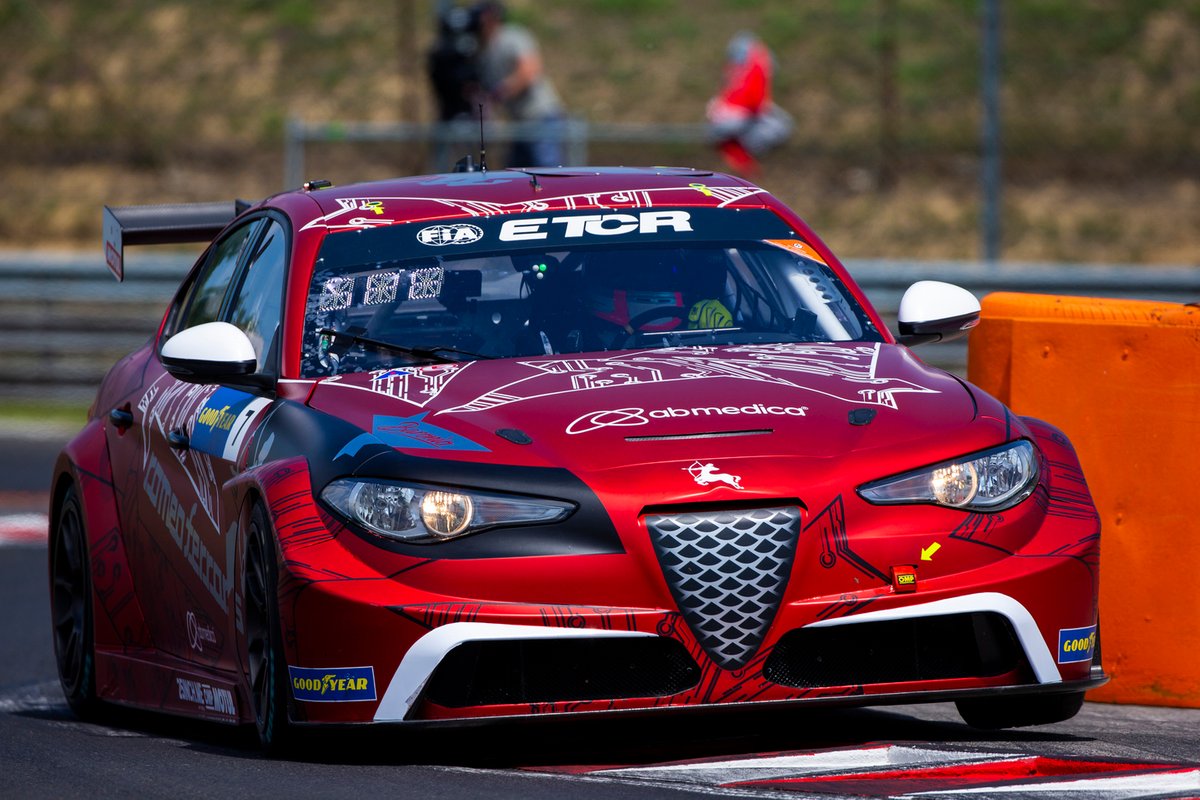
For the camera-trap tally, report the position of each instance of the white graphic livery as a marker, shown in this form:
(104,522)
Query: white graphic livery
(706,474)
(844,372)
(349,214)
(608,418)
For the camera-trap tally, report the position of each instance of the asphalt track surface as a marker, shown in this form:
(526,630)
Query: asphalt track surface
(1108,752)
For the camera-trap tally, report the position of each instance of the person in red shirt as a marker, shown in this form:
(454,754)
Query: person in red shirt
(743,119)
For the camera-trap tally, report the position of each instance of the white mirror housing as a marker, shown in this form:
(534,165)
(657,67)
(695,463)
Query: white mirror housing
(933,311)
(214,352)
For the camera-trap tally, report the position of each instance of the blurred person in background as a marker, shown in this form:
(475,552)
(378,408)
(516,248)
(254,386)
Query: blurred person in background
(511,72)
(453,71)
(743,120)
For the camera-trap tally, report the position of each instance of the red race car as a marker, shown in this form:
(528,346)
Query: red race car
(554,441)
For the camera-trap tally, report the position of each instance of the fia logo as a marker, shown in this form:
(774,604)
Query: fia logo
(438,235)
(705,474)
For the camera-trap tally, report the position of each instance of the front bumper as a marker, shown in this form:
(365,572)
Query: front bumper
(472,639)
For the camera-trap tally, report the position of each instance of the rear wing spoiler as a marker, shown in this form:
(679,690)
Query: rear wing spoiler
(178,223)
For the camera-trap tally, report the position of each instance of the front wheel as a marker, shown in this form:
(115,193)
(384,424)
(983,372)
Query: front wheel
(266,666)
(71,608)
(994,713)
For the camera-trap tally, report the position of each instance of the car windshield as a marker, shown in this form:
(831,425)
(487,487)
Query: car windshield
(368,313)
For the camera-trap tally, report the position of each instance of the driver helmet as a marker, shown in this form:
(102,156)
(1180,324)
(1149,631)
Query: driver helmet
(625,286)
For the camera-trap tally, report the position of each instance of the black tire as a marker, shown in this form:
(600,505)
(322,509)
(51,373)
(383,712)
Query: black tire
(71,608)
(266,667)
(994,713)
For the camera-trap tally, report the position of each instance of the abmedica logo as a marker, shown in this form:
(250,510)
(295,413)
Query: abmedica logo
(631,417)
(721,411)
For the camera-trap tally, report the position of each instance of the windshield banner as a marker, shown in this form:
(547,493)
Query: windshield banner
(550,231)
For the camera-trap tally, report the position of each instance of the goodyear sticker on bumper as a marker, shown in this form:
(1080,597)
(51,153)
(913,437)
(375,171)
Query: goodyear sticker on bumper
(333,685)
(1076,644)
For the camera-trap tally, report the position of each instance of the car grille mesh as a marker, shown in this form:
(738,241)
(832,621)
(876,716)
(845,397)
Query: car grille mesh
(727,571)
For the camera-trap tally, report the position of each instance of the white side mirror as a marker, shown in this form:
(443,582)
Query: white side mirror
(933,311)
(215,352)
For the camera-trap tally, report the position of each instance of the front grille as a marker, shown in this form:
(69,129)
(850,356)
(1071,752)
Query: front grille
(508,671)
(922,649)
(727,571)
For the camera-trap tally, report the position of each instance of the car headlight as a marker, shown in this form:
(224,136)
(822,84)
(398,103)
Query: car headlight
(411,512)
(989,481)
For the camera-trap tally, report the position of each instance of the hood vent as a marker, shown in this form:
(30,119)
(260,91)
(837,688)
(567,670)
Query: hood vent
(674,437)
(727,571)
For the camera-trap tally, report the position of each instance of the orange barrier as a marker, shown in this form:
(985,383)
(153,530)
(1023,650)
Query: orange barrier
(1122,379)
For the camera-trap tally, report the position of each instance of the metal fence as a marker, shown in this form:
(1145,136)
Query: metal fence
(67,321)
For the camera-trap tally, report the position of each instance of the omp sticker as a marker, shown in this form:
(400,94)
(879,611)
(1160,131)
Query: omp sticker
(1076,644)
(333,685)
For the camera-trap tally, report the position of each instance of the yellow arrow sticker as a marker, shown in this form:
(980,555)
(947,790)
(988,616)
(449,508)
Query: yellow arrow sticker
(927,552)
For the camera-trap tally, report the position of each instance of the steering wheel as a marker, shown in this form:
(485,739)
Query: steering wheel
(650,315)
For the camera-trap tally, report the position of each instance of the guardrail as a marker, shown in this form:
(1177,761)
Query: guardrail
(66,321)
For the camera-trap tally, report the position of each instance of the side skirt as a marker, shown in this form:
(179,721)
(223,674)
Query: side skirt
(158,682)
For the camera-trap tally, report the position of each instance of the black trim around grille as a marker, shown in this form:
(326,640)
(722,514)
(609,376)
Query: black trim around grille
(974,645)
(510,671)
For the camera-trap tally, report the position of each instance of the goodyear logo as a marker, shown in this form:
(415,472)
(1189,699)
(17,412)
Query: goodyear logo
(1076,644)
(333,685)
(223,422)
(216,418)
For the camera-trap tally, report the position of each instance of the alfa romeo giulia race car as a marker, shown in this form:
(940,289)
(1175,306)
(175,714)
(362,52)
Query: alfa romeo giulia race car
(554,441)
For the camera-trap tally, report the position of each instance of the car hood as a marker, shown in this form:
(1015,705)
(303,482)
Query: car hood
(598,412)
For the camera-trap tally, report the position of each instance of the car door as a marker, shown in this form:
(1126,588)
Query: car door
(185,550)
